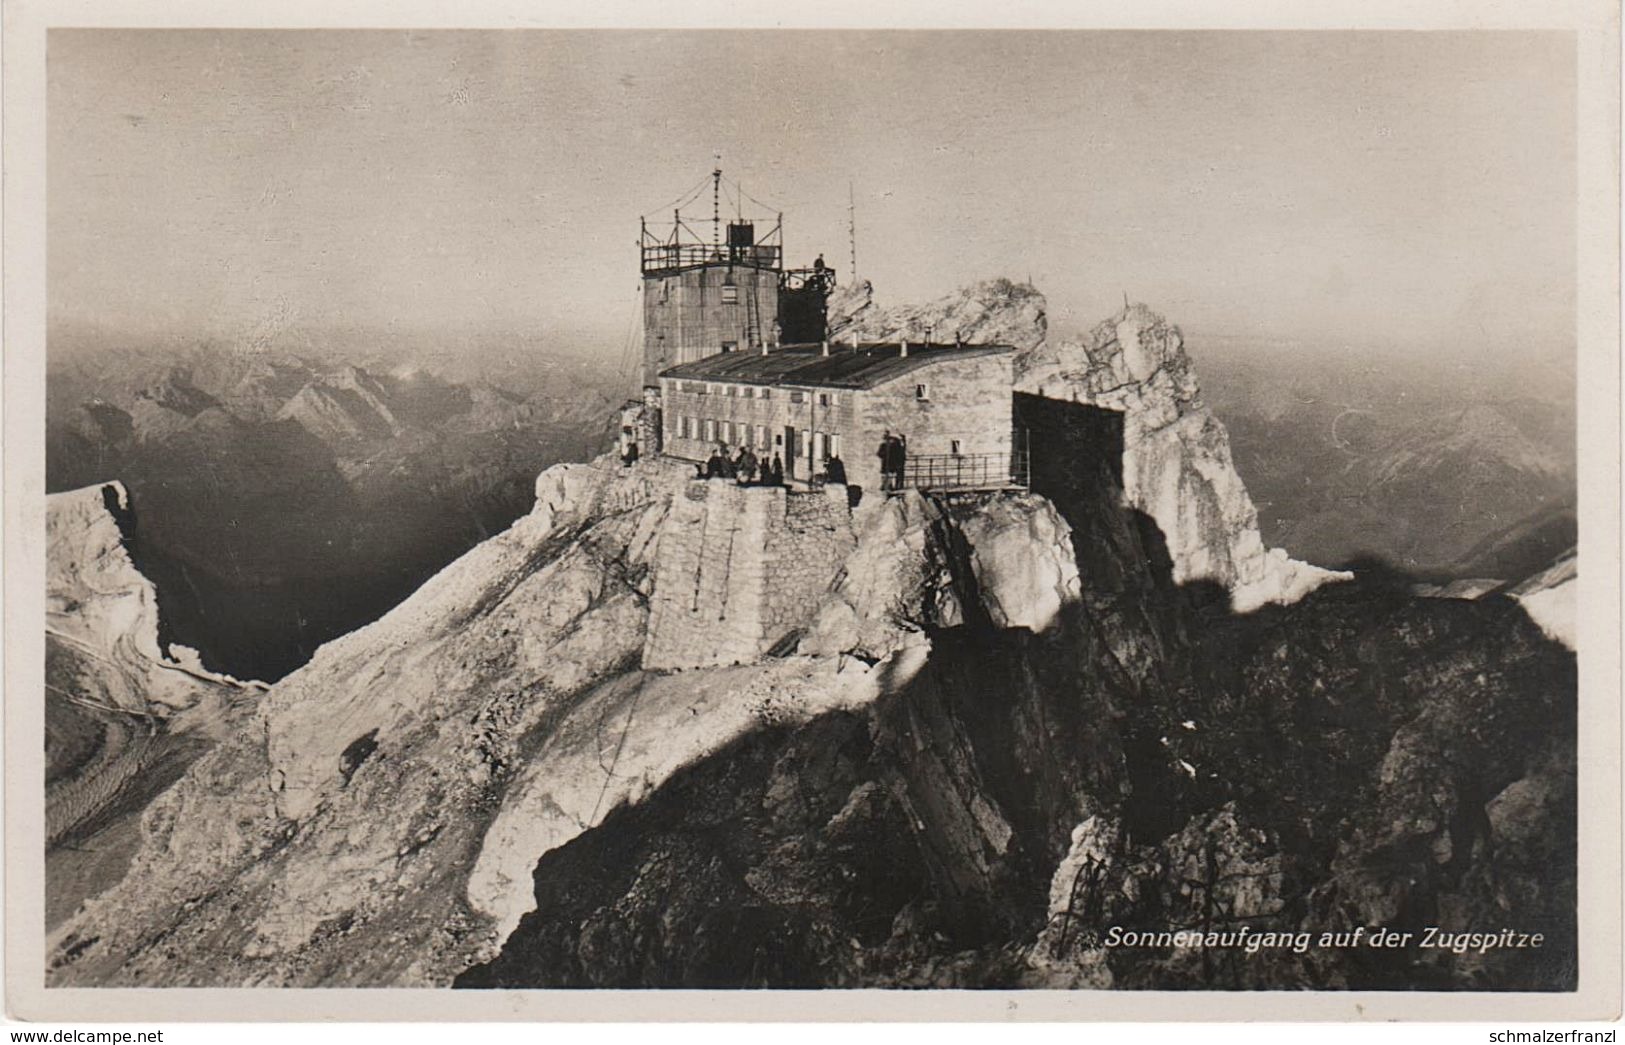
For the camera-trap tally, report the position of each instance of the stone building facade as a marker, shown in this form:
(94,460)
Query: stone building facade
(808,403)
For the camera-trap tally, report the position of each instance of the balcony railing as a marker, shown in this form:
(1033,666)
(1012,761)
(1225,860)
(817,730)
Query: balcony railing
(672,257)
(967,471)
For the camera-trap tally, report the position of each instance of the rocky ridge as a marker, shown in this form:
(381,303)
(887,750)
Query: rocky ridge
(125,710)
(102,613)
(1176,460)
(1009,722)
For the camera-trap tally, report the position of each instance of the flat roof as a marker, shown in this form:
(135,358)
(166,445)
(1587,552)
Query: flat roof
(869,364)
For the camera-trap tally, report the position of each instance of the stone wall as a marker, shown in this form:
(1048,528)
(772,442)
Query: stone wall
(805,557)
(739,568)
(649,422)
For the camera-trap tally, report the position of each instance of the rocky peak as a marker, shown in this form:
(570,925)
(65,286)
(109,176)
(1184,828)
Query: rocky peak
(347,404)
(168,406)
(175,392)
(104,612)
(995,311)
(1177,465)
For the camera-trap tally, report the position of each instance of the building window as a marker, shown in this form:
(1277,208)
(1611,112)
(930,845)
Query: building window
(826,399)
(922,392)
(761,436)
(730,294)
(796,397)
(767,393)
(953,447)
(710,430)
(835,446)
(731,390)
(820,447)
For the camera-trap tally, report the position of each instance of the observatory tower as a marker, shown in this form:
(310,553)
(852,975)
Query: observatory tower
(727,291)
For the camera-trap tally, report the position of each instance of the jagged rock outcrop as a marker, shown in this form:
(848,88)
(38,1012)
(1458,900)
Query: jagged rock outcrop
(1176,461)
(1176,458)
(332,841)
(101,615)
(995,311)
(125,711)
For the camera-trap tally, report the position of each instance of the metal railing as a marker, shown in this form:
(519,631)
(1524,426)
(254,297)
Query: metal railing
(668,257)
(967,471)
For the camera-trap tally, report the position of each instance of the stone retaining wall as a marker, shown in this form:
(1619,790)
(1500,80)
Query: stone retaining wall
(740,567)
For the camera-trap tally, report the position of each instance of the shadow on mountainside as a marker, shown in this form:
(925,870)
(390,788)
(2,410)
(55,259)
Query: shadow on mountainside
(1360,759)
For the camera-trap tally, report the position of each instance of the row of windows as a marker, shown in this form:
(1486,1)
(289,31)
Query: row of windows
(754,392)
(735,433)
(714,431)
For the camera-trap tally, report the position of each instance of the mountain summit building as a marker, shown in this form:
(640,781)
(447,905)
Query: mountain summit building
(737,353)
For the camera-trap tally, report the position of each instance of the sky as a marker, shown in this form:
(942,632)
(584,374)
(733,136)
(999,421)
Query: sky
(1410,190)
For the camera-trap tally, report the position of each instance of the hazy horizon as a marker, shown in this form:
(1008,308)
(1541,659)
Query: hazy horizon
(1414,191)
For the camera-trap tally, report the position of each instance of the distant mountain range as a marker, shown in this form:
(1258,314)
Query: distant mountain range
(1353,463)
(282,499)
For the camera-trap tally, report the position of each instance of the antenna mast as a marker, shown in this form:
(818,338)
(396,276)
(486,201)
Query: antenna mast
(716,204)
(852,228)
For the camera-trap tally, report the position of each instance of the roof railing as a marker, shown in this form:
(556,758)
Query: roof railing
(675,257)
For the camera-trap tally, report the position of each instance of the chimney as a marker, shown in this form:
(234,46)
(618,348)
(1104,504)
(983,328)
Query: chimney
(854,340)
(905,349)
(764,348)
(823,347)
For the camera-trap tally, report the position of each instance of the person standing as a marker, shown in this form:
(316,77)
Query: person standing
(885,455)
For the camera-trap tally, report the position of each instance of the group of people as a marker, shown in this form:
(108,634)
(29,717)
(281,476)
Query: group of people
(893,454)
(744,467)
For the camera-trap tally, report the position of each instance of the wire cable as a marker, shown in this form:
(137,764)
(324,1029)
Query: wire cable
(681,200)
